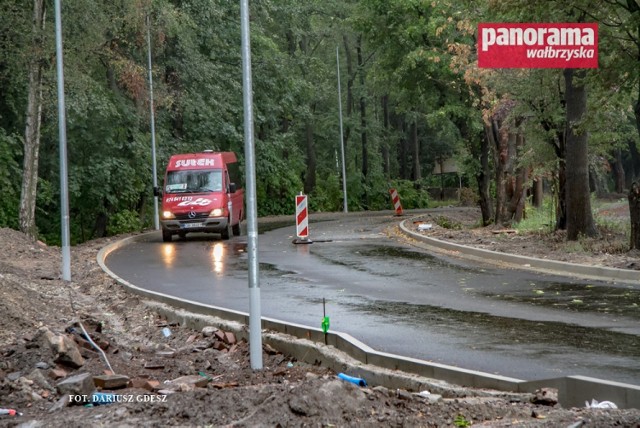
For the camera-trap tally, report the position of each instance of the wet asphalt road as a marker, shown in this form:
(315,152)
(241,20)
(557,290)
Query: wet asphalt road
(399,299)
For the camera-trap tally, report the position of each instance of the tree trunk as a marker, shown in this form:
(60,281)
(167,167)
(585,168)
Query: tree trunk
(561,206)
(403,152)
(363,112)
(558,143)
(519,197)
(384,147)
(634,170)
(538,192)
(415,153)
(618,172)
(483,179)
(350,79)
(634,211)
(27,217)
(579,216)
(511,179)
(363,125)
(100,226)
(499,138)
(310,175)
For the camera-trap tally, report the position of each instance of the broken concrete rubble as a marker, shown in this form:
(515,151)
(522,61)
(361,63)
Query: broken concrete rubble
(78,385)
(185,383)
(208,331)
(64,348)
(229,338)
(148,384)
(38,377)
(111,381)
(545,397)
(57,373)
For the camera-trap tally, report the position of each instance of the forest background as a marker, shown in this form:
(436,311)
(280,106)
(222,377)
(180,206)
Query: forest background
(412,98)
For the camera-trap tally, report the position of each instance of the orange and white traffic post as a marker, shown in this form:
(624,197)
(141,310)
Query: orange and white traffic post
(395,198)
(302,220)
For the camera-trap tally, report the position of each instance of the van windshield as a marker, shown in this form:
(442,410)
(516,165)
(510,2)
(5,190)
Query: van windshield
(194,181)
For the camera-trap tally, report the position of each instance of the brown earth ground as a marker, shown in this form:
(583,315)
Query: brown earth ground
(36,305)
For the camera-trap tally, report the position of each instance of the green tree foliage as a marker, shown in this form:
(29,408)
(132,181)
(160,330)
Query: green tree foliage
(9,149)
(411,93)
(415,44)
(15,31)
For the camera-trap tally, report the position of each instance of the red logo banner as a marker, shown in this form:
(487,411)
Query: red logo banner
(538,45)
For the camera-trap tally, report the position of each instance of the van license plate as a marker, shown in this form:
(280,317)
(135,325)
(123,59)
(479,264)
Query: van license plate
(190,225)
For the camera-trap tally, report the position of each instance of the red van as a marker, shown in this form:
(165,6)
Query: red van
(201,193)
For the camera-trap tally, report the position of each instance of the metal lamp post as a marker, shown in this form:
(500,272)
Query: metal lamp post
(62,129)
(156,220)
(255,329)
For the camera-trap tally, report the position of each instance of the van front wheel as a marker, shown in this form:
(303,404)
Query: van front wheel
(226,232)
(236,229)
(166,236)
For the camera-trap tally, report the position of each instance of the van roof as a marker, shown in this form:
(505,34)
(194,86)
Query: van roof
(199,160)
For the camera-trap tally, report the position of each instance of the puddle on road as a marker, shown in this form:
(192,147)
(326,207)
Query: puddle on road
(353,258)
(390,251)
(495,331)
(582,297)
(353,265)
(385,252)
(271,271)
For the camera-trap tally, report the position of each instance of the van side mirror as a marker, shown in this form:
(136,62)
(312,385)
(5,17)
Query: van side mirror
(157,191)
(232,188)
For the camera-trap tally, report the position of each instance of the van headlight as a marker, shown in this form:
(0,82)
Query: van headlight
(215,213)
(167,214)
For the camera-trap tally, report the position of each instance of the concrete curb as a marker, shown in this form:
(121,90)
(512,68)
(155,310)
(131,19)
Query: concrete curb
(526,263)
(343,353)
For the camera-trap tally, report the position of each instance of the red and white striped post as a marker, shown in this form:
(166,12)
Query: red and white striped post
(396,201)
(302,220)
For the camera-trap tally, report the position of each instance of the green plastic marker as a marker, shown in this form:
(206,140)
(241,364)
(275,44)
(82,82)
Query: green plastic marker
(325,324)
(325,321)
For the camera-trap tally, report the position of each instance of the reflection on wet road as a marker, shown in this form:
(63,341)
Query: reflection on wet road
(218,255)
(400,299)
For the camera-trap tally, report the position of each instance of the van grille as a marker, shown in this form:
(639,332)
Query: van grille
(199,216)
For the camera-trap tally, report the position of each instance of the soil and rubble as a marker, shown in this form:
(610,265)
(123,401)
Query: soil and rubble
(163,374)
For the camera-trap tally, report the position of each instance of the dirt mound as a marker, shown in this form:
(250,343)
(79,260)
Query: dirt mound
(177,377)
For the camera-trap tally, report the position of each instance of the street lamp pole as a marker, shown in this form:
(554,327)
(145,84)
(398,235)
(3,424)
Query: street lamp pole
(156,221)
(255,329)
(62,130)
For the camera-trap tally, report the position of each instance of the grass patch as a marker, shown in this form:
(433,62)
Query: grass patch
(447,223)
(445,203)
(605,214)
(541,219)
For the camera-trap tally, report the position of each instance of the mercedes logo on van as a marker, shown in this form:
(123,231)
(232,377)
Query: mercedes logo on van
(192,214)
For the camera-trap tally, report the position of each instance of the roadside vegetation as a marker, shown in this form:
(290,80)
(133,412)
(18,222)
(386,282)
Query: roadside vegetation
(610,215)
